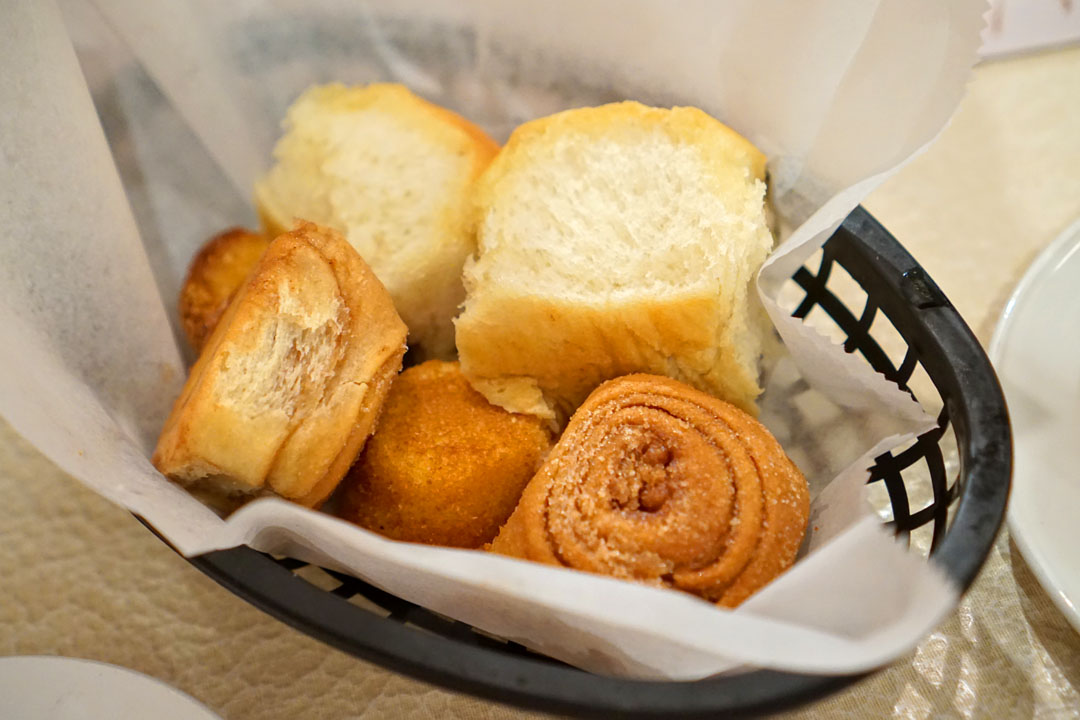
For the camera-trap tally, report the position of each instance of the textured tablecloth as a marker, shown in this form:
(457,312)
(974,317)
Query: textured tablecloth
(81,578)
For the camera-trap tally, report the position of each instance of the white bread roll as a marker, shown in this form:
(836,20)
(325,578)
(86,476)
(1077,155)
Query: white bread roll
(615,240)
(393,173)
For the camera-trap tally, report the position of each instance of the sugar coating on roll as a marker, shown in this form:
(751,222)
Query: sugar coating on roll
(445,466)
(393,173)
(656,482)
(290,382)
(613,240)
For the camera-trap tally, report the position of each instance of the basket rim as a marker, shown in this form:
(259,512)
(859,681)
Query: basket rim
(976,405)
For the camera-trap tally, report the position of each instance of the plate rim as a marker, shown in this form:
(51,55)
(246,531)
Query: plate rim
(120,674)
(1065,243)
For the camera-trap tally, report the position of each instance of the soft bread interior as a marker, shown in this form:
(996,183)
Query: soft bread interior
(626,211)
(593,221)
(285,367)
(393,173)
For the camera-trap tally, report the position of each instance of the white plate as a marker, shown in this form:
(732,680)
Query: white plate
(1036,350)
(59,688)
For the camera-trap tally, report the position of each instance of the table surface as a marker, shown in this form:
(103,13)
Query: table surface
(83,578)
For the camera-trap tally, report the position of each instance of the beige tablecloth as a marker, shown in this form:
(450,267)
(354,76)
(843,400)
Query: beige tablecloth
(81,578)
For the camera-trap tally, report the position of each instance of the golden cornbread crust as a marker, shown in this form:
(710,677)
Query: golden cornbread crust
(445,466)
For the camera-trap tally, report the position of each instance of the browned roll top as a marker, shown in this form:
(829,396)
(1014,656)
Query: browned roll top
(657,482)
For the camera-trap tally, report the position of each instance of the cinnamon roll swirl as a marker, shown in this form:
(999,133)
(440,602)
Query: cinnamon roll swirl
(657,482)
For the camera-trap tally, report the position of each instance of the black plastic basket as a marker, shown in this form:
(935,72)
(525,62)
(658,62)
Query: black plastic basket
(962,518)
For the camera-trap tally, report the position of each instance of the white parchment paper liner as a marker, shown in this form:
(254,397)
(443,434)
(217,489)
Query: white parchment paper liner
(838,94)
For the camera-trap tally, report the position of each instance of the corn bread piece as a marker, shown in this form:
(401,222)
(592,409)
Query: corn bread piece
(445,467)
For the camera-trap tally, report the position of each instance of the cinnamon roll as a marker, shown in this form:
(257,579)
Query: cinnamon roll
(657,482)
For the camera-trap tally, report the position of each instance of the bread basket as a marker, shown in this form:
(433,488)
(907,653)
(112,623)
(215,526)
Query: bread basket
(959,522)
(91,346)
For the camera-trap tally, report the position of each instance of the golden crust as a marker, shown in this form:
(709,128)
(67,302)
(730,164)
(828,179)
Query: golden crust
(570,347)
(216,272)
(657,482)
(445,467)
(291,380)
